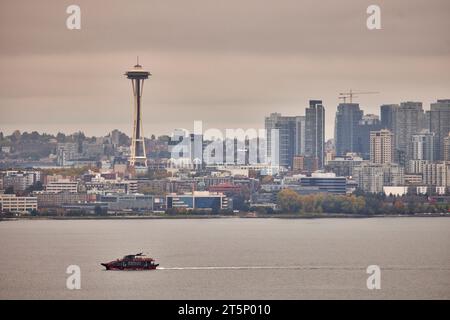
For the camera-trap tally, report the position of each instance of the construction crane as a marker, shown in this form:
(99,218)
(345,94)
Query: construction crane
(353,94)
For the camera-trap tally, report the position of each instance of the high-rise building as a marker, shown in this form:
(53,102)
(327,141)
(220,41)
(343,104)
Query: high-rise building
(290,137)
(416,166)
(409,120)
(423,146)
(298,164)
(197,147)
(381,146)
(66,152)
(387,113)
(187,150)
(371,177)
(138,157)
(440,124)
(394,174)
(269,126)
(315,131)
(366,125)
(348,116)
(311,164)
(284,145)
(115,138)
(447,148)
(436,174)
(300,123)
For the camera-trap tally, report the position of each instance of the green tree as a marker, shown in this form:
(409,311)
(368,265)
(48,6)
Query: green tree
(61,137)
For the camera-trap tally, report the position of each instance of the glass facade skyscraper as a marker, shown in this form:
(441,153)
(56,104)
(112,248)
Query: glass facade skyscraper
(440,125)
(290,137)
(348,116)
(315,131)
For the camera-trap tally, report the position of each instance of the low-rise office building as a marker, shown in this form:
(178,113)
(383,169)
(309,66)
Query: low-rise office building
(198,200)
(325,182)
(343,166)
(48,199)
(13,203)
(61,186)
(134,202)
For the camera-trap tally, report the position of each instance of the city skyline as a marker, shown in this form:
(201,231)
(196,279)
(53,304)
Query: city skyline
(227,75)
(258,150)
(127,127)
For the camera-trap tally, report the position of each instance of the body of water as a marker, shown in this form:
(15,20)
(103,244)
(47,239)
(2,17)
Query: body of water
(228,258)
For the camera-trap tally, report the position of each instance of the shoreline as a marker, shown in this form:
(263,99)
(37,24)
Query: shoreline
(257,216)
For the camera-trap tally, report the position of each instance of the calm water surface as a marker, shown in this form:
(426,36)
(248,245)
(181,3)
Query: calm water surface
(228,258)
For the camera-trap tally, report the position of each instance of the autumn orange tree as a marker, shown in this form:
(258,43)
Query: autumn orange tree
(288,200)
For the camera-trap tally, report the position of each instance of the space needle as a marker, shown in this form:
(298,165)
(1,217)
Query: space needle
(138,157)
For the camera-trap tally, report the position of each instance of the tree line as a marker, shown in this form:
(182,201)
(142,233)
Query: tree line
(289,201)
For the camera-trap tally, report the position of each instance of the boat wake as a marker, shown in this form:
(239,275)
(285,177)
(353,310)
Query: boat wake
(231,268)
(302,268)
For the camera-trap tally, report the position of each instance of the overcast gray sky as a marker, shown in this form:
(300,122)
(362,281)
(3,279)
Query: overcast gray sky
(227,63)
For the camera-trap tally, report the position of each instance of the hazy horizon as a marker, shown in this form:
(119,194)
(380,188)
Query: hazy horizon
(226,64)
(92,129)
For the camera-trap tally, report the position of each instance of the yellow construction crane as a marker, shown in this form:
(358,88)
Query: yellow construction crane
(353,94)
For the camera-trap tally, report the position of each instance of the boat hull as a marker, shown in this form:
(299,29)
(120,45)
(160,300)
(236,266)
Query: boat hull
(129,268)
